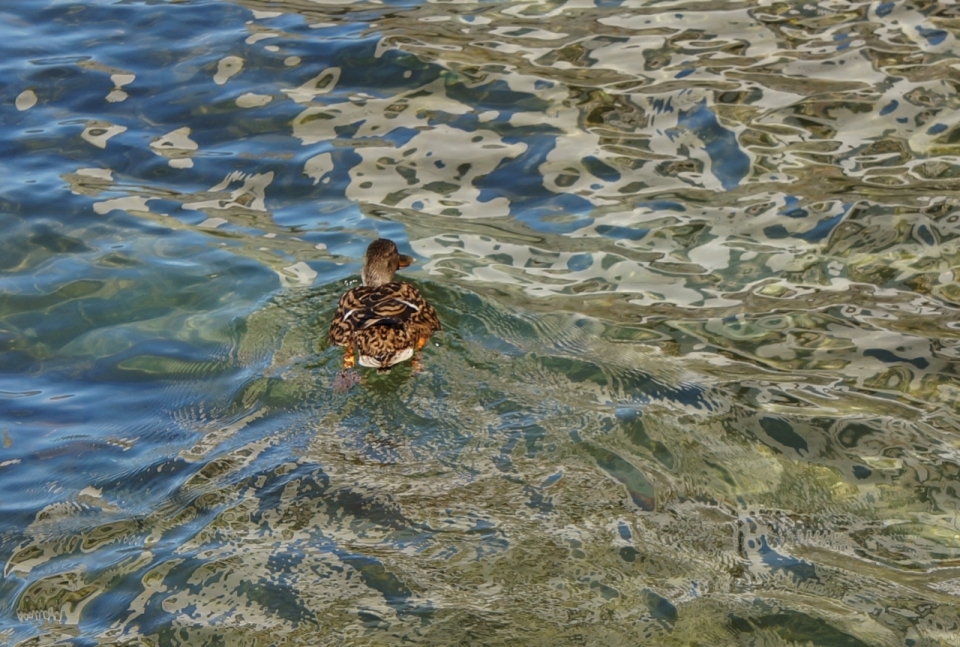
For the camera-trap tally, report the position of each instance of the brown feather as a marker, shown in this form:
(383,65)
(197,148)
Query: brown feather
(386,320)
(383,321)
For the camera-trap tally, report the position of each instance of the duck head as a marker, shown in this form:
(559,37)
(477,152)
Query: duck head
(382,262)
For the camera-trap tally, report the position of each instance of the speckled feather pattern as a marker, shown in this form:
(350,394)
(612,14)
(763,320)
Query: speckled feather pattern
(383,321)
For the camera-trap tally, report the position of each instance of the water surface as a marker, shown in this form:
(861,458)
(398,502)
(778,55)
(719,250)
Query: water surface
(696,265)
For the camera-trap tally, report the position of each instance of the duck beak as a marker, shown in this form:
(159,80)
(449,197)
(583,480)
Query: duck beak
(405,260)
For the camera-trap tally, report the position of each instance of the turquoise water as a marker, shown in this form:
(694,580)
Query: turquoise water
(696,266)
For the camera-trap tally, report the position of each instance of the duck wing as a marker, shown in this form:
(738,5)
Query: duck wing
(421,315)
(393,305)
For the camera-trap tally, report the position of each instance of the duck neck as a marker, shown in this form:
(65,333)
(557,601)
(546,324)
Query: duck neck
(375,276)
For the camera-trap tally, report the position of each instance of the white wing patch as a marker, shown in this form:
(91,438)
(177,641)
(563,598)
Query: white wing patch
(415,307)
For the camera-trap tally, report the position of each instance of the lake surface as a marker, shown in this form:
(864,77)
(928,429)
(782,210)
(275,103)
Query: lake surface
(696,264)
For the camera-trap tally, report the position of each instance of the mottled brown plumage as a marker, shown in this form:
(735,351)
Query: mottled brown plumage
(385,320)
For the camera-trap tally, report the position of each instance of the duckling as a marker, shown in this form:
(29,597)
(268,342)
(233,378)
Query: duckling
(386,320)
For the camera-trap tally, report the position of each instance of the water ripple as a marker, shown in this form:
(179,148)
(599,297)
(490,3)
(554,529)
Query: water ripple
(697,269)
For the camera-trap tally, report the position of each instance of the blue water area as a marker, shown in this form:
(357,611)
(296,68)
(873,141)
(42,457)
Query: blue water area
(694,266)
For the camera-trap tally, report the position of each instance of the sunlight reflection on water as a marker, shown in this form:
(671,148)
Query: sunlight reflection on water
(696,267)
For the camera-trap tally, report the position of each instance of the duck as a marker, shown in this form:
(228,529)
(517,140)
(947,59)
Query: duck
(384,321)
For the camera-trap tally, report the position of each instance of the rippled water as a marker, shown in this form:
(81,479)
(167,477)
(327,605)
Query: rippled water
(696,265)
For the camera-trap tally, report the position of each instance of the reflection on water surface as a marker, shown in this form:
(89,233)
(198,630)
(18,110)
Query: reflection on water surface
(696,268)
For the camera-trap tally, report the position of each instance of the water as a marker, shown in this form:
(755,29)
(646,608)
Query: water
(696,265)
